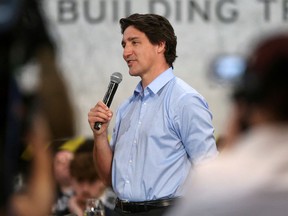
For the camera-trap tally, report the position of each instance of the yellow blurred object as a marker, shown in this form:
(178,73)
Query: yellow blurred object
(73,144)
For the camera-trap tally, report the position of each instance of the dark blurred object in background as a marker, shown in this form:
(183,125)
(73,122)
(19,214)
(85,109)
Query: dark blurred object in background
(24,38)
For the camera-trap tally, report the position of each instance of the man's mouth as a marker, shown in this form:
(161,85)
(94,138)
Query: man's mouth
(129,62)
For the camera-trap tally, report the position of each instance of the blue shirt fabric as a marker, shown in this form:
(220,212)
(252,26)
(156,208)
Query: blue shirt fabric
(159,133)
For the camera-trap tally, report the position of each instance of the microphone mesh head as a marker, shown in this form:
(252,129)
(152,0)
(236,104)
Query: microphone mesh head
(116,77)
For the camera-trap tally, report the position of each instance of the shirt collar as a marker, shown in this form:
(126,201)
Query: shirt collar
(158,82)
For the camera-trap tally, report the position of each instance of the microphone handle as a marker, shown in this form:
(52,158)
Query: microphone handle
(107,100)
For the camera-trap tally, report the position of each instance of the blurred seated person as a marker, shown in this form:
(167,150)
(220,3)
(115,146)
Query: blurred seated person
(64,152)
(250,178)
(86,182)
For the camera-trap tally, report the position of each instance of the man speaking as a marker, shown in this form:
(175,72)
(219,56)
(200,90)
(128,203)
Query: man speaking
(161,131)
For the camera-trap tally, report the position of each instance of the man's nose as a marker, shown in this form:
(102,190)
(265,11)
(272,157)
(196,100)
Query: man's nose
(127,51)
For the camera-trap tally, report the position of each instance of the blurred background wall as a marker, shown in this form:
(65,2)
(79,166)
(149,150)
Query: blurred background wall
(89,43)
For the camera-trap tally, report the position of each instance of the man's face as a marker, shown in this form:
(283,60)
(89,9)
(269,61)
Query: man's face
(138,52)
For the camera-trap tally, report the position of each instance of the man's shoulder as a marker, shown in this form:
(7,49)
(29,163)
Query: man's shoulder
(182,91)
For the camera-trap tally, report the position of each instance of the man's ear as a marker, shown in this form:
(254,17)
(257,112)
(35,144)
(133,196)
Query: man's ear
(161,47)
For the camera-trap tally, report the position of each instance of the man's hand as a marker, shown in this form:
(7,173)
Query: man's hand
(99,113)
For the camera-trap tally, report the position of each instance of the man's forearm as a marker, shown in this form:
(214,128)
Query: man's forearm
(102,154)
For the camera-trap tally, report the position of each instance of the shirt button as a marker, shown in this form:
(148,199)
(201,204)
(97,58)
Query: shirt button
(127,181)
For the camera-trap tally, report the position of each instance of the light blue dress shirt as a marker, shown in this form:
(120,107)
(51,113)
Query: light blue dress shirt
(159,133)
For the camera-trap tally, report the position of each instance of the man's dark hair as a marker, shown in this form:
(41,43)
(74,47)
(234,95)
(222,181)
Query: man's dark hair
(157,29)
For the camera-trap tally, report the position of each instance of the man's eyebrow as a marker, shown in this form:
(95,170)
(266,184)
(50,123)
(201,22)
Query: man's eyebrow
(132,38)
(129,39)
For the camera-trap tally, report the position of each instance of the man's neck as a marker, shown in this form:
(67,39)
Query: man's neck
(152,75)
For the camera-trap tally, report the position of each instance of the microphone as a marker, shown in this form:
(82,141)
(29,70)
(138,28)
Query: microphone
(115,79)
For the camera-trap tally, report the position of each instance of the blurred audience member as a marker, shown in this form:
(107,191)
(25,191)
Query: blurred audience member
(251,177)
(64,152)
(61,165)
(24,39)
(86,182)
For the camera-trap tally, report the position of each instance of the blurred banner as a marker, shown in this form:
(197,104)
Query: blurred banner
(89,43)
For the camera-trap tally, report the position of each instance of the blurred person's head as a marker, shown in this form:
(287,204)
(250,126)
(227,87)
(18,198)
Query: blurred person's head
(64,150)
(261,95)
(85,179)
(264,84)
(61,166)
